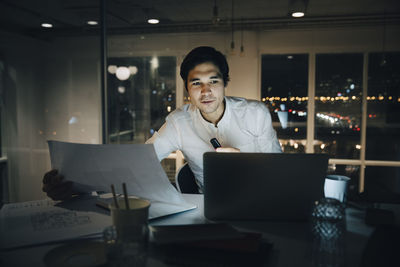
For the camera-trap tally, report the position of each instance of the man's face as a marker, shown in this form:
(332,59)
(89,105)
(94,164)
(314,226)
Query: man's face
(206,90)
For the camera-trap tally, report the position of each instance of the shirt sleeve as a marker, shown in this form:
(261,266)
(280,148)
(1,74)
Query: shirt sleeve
(267,138)
(165,140)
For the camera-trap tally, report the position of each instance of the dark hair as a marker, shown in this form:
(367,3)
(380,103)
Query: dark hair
(203,54)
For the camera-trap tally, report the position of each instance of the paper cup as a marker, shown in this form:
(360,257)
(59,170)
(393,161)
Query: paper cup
(336,187)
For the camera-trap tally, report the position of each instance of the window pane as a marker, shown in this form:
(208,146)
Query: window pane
(139,102)
(382,183)
(284,87)
(383,118)
(338,104)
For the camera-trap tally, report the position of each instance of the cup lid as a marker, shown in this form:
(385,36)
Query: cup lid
(338,177)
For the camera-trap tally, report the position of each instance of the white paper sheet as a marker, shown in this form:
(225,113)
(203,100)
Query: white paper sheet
(96,167)
(39,222)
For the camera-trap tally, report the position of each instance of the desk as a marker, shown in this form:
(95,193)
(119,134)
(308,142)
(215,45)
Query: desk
(292,245)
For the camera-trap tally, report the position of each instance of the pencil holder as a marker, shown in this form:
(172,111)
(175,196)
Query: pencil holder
(127,238)
(131,223)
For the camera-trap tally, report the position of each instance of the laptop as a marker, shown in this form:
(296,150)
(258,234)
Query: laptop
(262,186)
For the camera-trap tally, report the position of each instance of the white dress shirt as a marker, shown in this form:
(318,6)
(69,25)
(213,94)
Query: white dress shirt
(246,125)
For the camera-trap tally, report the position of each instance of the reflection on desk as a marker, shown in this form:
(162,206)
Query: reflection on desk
(293,244)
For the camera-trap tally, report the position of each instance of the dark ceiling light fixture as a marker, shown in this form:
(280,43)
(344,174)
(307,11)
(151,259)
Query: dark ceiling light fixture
(151,16)
(232,39)
(46,25)
(215,18)
(92,22)
(153,21)
(297,8)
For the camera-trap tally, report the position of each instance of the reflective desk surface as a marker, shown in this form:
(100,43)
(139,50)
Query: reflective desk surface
(293,244)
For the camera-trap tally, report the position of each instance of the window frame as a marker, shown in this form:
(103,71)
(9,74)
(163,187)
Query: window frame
(362,162)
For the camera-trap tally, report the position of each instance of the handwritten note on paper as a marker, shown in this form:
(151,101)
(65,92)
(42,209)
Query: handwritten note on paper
(14,208)
(96,167)
(38,222)
(58,219)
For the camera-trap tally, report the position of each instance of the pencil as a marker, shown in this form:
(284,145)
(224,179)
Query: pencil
(114,196)
(125,196)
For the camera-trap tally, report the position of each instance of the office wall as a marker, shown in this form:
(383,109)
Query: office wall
(52,82)
(51,92)
(22,120)
(72,83)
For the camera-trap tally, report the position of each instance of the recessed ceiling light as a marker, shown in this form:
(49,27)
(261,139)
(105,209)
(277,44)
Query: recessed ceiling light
(298,14)
(47,25)
(153,21)
(92,22)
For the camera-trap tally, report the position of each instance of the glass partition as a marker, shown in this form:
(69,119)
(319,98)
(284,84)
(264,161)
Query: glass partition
(284,90)
(338,98)
(382,182)
(141,93)
(383,108)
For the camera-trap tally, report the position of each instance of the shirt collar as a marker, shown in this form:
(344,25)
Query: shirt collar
(224,120)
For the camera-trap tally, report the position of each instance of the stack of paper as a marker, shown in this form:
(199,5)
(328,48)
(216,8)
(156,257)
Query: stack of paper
(91,168)
(39,222)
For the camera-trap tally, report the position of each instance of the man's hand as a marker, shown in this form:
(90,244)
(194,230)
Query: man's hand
(55,187)
(227,149)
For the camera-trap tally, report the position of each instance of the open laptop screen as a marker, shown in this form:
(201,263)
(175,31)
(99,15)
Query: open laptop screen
(262,186)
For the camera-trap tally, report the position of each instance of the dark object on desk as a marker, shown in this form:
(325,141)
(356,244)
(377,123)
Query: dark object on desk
(185,180)
(328,209)
(376,217)
(328,227)
(210,257)
(77,253)
(248,250)
(262,186)
(378,196)
(382,248)
(192,233)
(328,246)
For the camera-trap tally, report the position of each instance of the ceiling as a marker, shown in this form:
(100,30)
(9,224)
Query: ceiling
(69,17)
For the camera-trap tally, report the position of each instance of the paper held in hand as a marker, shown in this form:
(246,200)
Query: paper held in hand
(94,167)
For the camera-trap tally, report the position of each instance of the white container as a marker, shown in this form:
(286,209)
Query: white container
(336,187)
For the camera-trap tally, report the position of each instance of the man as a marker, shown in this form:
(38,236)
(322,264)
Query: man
(237,123)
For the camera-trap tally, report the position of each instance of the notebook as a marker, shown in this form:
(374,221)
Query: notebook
(262,186)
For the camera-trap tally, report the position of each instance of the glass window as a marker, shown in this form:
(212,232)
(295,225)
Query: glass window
(382,182)
(383,117)
(338,98)
(284,87)
(141,93)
